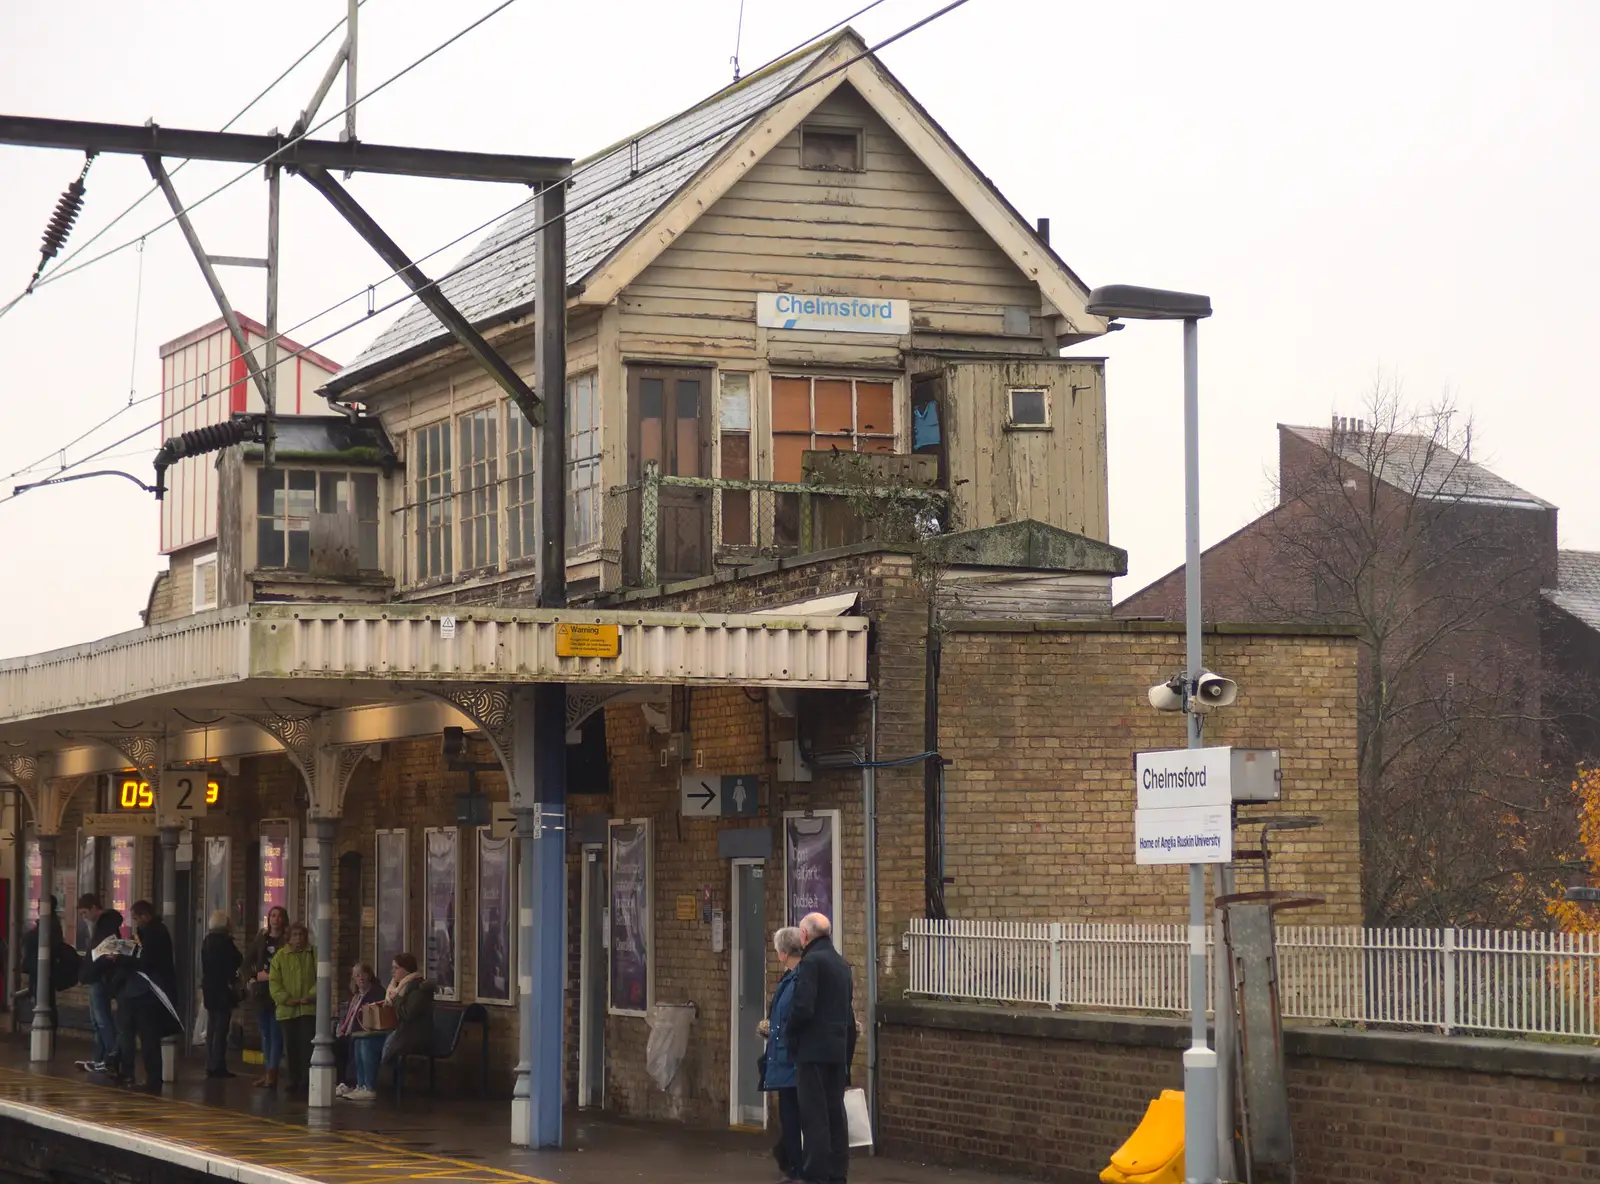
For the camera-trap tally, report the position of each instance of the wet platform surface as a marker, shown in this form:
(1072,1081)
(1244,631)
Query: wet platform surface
(418,1137)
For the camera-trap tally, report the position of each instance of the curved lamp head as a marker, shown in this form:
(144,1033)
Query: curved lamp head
(1147,304)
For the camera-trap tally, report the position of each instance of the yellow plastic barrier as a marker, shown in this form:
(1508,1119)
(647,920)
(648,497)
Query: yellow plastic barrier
(1153,1154)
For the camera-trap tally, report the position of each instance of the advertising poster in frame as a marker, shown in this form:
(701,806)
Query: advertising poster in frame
(811,866)
(441,879)
(124,850)
(631,936)
(35,879)
(277,868)
(496,958)
(88,881)
(392,888)
(218,867)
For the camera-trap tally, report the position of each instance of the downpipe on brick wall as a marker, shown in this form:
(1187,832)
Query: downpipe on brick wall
(869,764)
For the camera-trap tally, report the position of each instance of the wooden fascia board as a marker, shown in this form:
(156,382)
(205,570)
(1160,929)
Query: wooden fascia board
(724,171)
(1014,238)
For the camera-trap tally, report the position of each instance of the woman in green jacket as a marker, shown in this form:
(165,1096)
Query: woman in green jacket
(292,981)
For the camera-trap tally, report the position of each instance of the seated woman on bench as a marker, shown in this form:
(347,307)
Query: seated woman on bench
(411,996)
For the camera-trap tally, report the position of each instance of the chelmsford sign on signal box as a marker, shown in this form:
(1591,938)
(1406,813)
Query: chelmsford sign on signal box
(1185,806)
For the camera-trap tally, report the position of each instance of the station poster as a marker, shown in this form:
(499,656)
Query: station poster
(218,869)
(124,848)
(630,928)
(811,865)
(275,869)
(494,960)
(390,922)
(88,881)
(35,879)
(441,878)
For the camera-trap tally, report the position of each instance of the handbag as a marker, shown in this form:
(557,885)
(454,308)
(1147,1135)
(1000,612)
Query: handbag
(857,1119)
(379,1017)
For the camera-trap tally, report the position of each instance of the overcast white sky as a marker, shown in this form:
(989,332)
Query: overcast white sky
(1398,189)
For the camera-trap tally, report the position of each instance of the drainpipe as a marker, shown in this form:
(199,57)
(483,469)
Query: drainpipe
(869,799)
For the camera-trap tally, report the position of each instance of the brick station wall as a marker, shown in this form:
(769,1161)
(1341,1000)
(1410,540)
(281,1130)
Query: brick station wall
(1051,1095)
(410,789)
(1041,723)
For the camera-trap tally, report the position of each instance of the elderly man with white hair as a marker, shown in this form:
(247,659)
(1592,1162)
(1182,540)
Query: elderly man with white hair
(822,1043)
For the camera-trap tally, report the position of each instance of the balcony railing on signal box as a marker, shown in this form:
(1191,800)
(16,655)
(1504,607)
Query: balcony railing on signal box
(661,528)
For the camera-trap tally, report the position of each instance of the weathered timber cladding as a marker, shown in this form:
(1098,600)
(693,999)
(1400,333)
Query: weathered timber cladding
(1056,476)
(891,231)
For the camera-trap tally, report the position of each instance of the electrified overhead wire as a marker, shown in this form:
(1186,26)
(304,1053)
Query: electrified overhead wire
(189,207)
(154,189)
(475,261)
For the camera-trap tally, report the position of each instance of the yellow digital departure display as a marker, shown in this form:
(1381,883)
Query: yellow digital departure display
(134,794)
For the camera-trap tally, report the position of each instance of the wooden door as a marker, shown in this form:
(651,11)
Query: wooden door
(670,423)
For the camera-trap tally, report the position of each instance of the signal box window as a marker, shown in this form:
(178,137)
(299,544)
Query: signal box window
(831,149)
(1028,409)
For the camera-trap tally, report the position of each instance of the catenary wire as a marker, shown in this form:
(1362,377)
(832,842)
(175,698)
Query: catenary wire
(476,260)
(242,112)
(62,272)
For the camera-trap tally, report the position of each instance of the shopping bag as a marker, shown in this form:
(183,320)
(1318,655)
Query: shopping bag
(379,1017)
(857,1118)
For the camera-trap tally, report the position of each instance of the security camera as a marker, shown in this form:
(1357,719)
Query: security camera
(1167,696)
(1212,690)
(454,745)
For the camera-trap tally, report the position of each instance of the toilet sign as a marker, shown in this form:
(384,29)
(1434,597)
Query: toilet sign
(720,795)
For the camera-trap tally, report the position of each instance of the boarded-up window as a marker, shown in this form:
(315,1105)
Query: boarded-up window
(354,495)
(832,149)
(205,582)
(733,451)
(837,414)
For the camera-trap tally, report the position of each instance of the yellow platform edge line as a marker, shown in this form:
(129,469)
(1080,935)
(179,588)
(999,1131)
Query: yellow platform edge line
(66,1123)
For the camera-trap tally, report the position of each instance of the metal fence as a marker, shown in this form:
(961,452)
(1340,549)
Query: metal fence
(662,528)
(1452,980)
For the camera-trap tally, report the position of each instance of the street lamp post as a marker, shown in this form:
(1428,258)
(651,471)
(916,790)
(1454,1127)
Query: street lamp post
(1200,1061)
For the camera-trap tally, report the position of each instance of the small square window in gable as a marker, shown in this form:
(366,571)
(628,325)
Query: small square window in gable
(831,149)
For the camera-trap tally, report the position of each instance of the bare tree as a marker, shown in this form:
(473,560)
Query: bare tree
(1384,525)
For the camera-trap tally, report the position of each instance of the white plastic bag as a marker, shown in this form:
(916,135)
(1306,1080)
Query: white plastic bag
(856,1117)
(669,1040)
(200,1022)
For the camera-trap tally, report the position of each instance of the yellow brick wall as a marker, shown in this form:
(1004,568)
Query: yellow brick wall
(1041,726)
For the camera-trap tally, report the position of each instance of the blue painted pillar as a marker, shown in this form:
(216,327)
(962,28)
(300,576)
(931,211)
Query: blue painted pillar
(538,800)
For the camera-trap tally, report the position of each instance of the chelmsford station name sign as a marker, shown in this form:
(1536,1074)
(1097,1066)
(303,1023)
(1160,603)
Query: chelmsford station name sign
(1185,806)
(832,314)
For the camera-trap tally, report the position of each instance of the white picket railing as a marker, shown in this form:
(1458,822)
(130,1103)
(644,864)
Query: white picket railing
(1448,979)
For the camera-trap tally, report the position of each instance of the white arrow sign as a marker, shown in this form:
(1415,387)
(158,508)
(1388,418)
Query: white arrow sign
(701,796)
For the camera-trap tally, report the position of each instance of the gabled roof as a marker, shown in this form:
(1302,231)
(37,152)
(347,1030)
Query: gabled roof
(252,328)
(1419,464)
(1577,590)
(609,213)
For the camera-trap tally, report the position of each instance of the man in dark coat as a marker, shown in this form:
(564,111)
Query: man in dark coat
(822,1043)
(147,988)
(95,974)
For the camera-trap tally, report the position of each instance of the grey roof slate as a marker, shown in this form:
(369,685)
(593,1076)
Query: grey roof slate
(1416,462)
(604,210)
(1577,588)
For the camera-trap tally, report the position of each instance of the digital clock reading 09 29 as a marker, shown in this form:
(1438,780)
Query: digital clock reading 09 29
(133,794)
